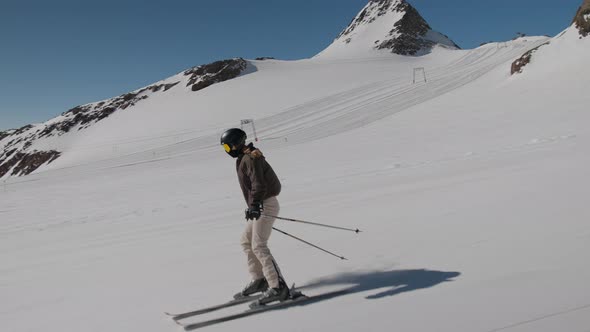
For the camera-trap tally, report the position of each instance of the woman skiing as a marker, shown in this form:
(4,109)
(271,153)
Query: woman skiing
(260,186)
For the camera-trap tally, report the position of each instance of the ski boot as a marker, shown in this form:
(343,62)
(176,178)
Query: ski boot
(255,286)
(280,293)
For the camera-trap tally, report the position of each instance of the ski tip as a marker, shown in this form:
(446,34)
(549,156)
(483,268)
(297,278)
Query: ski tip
(174,317)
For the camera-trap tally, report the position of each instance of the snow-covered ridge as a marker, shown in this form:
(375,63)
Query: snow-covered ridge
(574,35)
(392,25)
(19,156)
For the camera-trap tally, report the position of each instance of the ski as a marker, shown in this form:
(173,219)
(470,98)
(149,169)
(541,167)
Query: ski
(297,298)
(179,316)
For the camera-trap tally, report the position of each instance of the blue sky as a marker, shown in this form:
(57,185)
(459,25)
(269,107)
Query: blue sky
(58,54)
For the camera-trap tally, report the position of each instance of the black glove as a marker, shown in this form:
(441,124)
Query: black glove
(254,211)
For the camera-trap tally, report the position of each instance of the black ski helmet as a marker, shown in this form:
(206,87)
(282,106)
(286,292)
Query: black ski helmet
(233,140)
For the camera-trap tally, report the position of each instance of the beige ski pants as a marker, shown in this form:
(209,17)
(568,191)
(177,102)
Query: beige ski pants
(254,242)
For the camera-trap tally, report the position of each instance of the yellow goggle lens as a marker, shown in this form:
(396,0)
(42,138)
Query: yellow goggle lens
(227,148)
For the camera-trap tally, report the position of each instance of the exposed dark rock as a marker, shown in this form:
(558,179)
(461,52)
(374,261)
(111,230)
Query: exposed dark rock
(519,35)
(411,29)
(7,164)
(128,96)
(519,64)
(582,18)
(22,129)
(358,20)
(264,58)
(218,71)
(412,24)
(14,133)
(4,134)
(9,153)
(26,163)
(201,85)
(169,86)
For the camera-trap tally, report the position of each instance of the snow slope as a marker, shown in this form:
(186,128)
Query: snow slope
(471,190)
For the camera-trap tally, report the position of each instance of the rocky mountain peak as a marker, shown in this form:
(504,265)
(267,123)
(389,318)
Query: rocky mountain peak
(393,25)
(582,18)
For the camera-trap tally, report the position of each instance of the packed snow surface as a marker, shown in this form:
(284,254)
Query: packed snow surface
(471,190)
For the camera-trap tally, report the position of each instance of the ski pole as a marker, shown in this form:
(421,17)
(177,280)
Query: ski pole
(313,245)
(314,223)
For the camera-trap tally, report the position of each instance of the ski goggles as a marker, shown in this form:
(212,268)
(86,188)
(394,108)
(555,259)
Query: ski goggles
(226,147)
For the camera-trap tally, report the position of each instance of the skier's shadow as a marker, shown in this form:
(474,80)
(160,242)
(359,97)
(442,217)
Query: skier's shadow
(394,282)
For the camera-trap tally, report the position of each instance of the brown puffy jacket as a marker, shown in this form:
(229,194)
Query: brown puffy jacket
(257,178)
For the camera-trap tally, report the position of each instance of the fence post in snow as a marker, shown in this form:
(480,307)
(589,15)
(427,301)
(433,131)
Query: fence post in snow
(417,71)
(249,121)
